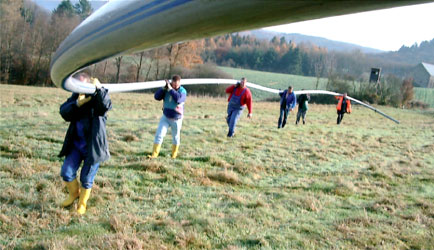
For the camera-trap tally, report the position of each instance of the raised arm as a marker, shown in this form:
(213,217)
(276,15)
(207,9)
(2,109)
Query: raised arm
(69,108)
(159,95)
(102,101)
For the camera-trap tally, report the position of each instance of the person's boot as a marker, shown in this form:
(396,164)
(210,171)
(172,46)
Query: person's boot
(175,151)
(73,191)
(155,151)
(304,122)
(82,202)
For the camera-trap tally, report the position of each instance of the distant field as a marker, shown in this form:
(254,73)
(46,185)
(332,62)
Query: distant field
(281,81)
(366,184)
(274,80)
(425,95)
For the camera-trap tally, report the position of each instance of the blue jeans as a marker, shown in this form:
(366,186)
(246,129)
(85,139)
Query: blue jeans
(234,113)
(164,124)
(282,118)
(72,163)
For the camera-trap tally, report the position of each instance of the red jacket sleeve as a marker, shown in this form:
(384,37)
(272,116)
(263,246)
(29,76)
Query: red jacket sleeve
(230,90)
(247,99)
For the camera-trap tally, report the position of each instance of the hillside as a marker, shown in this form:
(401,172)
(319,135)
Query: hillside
(274,80)
(282,81)
(365,184)
(318,41)
(424,52)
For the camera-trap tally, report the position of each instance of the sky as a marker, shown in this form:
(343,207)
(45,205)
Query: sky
(386,30)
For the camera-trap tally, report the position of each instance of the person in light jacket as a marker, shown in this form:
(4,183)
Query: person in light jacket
(173,96)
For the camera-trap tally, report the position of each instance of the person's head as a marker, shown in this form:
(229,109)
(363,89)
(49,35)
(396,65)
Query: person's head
(290,89)
(176,82)
(243,82)
(344,95)
(82,76)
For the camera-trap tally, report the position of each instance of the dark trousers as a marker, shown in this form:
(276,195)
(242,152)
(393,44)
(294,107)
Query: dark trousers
(282,118)
(340,116)
(301,113)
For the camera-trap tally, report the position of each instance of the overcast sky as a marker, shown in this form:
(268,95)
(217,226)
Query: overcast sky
(387,29)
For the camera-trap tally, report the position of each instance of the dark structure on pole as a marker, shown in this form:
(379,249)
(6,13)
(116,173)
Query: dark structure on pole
(375,75)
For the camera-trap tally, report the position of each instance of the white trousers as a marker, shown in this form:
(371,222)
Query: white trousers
(165,123)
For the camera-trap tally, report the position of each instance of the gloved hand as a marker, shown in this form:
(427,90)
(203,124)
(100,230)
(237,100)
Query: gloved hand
(168,85)
(81,100)
(249,115)
(96,82)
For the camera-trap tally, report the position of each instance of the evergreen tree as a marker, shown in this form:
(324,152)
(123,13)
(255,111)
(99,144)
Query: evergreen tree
(65,8)
(291,62)
(83,9)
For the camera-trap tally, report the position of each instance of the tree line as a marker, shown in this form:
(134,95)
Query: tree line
(30,36)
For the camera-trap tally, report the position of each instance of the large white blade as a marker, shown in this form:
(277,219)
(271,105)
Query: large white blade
(80,87)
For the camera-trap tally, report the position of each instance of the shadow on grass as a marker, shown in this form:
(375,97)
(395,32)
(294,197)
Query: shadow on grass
(150,165)
(197,159)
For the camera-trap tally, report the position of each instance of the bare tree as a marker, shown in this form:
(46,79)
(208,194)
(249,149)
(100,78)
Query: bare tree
(118,62)
(319,66)
(139,65)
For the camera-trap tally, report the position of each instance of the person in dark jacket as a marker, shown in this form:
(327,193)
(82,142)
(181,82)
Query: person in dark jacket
(343,106)
(288,101)
(173,96)
(302,100)
(85,140)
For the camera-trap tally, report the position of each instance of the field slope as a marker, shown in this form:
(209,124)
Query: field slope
(282,81)
(367,183)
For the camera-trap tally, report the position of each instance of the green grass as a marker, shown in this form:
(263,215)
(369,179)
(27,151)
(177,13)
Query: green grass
(282,81)
(274,80)
(424,95)
(367,183)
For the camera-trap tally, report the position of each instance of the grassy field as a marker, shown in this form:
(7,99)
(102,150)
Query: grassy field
(281,81)
(425,95)
(274,80)
(367,183)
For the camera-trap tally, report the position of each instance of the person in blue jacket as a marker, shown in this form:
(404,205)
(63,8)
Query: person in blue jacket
(173,96)
(288,101)
(85,140)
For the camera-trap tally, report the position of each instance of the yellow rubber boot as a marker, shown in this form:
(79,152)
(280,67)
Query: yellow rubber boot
(82,202)
(155,151)
(73,191)
(175,151)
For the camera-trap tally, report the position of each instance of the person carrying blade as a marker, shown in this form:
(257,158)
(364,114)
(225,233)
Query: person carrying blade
(173,96)
(344,106)
(239,97)
(85,141)
(302,100)
(288,100)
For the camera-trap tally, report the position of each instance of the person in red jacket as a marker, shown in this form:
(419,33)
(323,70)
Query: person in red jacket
(239,96)
(344,106)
